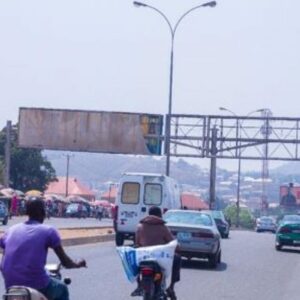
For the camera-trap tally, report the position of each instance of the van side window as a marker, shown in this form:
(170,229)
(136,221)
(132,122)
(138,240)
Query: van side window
(130,193)
(153,194)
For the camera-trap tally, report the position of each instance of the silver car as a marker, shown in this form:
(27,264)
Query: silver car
(266,224)
(197,234)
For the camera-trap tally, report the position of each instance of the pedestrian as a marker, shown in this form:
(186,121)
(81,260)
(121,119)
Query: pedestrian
(80,208)
(14,205)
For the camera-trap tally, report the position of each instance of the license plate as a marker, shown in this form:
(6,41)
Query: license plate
(183,235)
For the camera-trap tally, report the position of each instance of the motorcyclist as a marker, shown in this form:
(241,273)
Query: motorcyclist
(25,248)
(152,231)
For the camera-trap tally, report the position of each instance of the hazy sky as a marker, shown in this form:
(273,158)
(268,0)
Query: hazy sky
(109,55)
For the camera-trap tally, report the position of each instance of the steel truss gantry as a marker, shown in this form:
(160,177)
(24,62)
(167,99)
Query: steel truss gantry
(199,136)
(234,137)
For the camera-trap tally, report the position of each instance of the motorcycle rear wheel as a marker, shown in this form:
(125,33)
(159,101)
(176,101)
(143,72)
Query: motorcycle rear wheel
(149,294)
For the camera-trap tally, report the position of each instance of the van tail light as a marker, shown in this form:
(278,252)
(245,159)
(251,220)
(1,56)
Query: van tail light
(285,230)
(207,235)
(147,272)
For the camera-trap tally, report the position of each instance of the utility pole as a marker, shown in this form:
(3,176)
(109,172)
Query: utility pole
(7,154)
(238,191)
(67,173)
(266,131)
(213,167)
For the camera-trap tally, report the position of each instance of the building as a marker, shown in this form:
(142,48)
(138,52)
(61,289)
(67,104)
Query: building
(72,187)
(193,201)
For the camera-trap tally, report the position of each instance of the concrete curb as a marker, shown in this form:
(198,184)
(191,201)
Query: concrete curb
(88,240)
(66,242)
(83,228)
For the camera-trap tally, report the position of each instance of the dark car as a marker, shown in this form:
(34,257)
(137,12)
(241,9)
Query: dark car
(222,224)
(3,213)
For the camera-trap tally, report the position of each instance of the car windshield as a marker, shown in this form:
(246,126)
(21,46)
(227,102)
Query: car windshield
(191,218)
(291,218)
(267,220)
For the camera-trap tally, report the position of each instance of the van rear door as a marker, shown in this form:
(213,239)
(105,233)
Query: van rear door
(136,198)
(129,206)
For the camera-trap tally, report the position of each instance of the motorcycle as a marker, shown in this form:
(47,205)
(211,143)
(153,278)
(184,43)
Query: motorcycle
(152,283)
(26,293)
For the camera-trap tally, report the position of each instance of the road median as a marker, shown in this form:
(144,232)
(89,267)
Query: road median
(89,235)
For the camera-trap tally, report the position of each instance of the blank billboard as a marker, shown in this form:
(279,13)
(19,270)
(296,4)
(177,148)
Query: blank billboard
(90,131)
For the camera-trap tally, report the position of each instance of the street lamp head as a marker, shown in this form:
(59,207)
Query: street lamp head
(139,4)
(222,108)
(209,4)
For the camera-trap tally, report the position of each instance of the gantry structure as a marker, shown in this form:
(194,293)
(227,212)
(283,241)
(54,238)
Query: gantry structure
(262,138)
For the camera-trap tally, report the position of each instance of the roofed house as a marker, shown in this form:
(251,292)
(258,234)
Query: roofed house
(192,201)
(74,187)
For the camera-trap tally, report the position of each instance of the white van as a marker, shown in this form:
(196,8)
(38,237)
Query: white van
(137,192)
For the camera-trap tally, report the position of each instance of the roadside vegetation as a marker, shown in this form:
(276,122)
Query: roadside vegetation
(247,220)
(29,169)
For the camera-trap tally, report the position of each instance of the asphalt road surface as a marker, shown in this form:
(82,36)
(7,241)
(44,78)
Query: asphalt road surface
(251,269)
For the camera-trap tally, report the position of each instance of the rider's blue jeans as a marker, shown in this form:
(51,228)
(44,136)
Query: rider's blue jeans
(56,290)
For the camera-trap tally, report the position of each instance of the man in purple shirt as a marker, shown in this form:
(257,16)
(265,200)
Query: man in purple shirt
(25,248)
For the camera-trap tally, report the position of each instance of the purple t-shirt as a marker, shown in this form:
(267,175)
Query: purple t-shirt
(25,254)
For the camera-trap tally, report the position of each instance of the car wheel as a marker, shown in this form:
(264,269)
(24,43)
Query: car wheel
(219,257)
(278,247)
(119,239)
(213,260)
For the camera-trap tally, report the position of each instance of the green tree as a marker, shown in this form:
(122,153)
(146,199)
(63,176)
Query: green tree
(246,218)
(29,169)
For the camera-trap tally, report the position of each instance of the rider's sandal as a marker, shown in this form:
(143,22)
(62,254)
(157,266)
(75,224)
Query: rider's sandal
(171,294)
(137,292)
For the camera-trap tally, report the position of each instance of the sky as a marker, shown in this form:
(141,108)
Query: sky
(109,55)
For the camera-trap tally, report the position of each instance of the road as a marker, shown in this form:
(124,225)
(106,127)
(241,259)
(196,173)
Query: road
(251,270)
(64,222)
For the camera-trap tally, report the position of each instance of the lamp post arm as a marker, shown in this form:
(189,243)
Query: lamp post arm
(165,18)
(184,15)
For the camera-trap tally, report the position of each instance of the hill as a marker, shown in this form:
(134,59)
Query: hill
(94,169)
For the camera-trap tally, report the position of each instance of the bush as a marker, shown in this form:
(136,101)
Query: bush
(246,218)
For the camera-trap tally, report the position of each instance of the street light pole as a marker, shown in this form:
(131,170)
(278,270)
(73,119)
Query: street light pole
(172,31)
(239,162)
